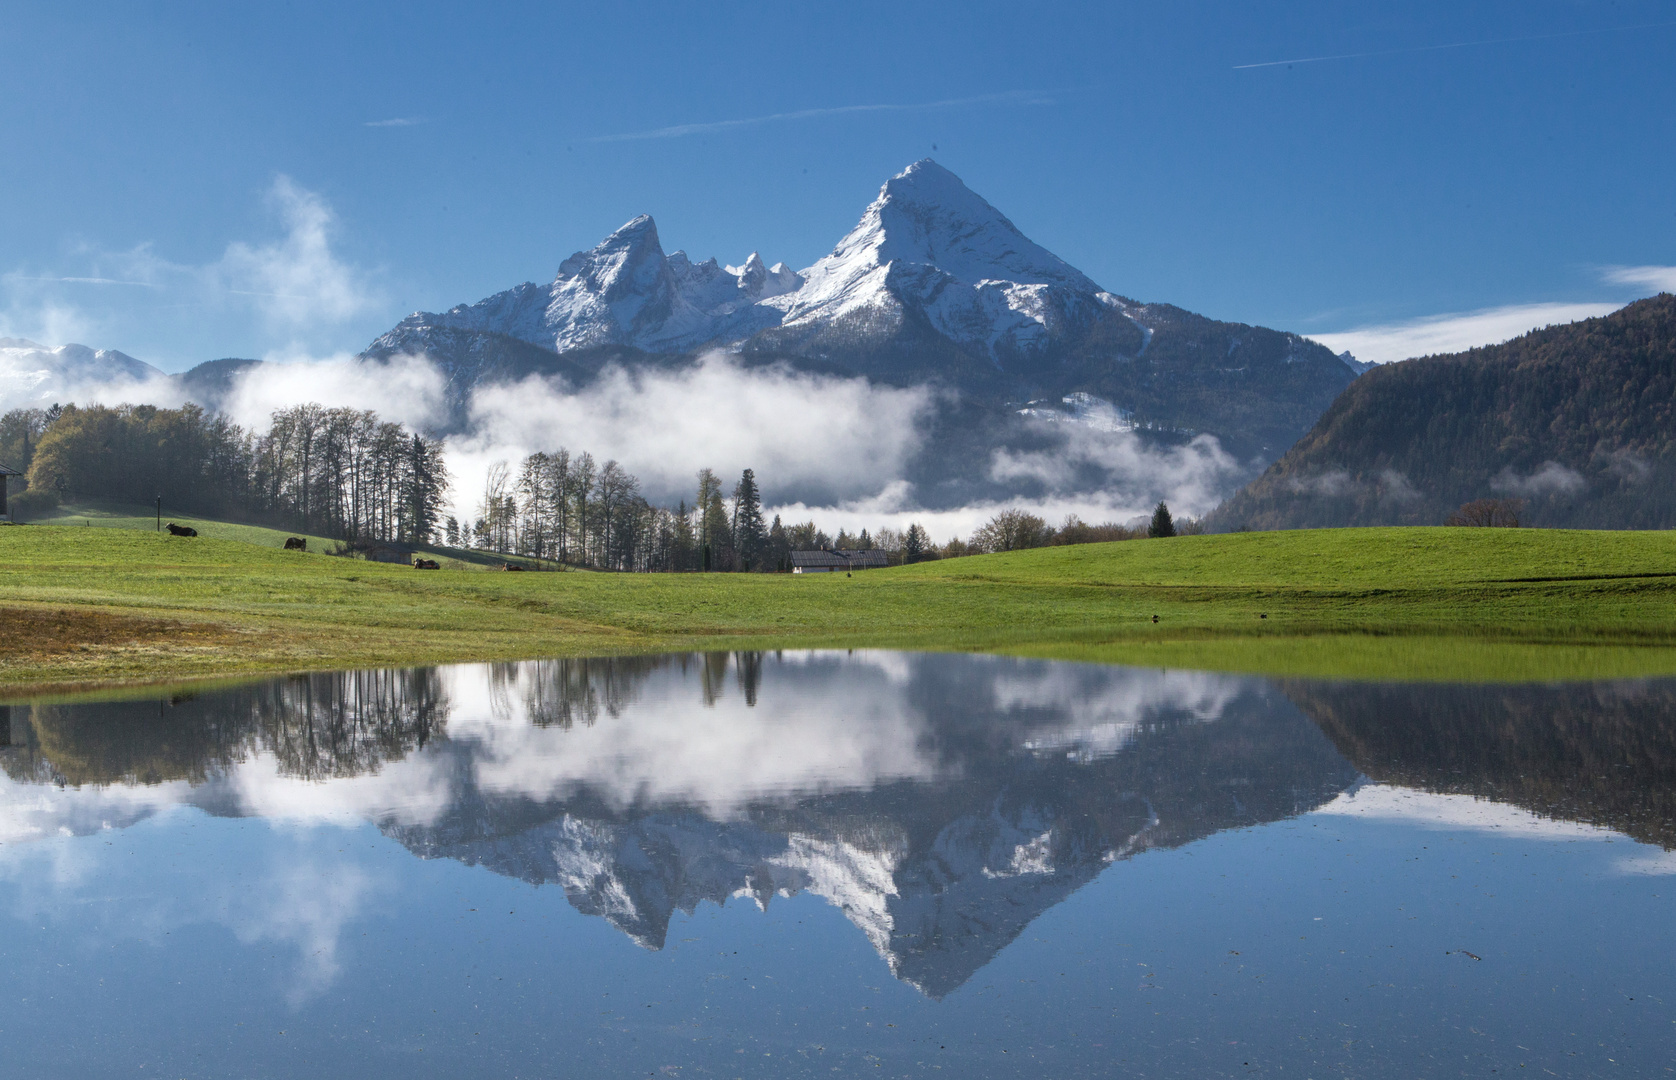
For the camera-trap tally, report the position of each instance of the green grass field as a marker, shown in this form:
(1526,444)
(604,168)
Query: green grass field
(1365,603)
(104,514)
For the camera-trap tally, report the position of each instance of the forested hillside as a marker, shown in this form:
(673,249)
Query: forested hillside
(1575,426)
(336,472)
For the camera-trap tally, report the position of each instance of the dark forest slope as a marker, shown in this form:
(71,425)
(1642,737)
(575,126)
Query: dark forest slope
(1579,421)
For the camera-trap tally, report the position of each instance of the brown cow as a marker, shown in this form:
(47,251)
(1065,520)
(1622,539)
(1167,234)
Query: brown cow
(511,566)
(426,564)
(181,530)
(296,543)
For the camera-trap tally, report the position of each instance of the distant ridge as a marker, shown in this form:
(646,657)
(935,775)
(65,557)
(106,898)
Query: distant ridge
(1577,421)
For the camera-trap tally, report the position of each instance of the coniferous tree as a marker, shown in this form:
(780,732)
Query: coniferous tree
(914,544)
(779,546)
(1162,524)
(748,533)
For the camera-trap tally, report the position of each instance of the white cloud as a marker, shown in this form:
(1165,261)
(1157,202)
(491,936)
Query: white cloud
(1656,278)
(1434,334)
(895,508)
(1193,477)
(1397,487)
(1550,478)
(1330,484)
(407,389)
(845,728)
(32,376)
(290,287)
(297,280)
(840,437)
(29,318)
(303,895)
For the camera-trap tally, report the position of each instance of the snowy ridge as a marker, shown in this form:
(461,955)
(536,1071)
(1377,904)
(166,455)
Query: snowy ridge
(927,246)
(626,291)
(929,242)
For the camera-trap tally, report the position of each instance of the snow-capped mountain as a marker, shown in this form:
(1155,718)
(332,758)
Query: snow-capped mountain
(33,375)
(932,285)
(930,246)
(927,246)
(626,291)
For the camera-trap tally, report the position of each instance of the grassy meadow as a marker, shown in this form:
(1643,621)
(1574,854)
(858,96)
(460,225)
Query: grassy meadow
(82,605)
(106,514)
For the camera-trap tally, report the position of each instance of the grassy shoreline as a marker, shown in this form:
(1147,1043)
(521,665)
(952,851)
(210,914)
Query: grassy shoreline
(1453,604)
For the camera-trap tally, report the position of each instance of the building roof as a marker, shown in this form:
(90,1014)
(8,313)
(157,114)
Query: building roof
(4,471)
(841,559)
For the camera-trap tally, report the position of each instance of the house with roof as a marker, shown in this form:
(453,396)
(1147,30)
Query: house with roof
(5,477)
(830,560)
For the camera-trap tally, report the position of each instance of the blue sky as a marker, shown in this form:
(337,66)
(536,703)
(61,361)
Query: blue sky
(291,179)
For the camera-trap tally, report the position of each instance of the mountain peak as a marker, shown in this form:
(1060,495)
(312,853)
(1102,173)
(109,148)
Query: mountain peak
(926,243)
(631,244)
(924,232)
(926,213)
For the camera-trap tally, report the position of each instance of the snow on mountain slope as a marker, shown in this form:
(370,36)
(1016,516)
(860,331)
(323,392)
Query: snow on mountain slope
(933,286)
(929,241)
(33,375)
(626,291)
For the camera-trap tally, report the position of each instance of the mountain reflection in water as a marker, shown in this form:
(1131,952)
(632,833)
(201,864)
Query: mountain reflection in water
(941,802)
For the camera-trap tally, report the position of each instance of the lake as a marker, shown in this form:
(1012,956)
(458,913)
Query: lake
(840,864)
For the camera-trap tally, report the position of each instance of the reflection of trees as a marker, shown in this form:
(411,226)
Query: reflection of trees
(1603,753)
(316,726)
(324,726)
(348,723)
(563,693)
(129,742)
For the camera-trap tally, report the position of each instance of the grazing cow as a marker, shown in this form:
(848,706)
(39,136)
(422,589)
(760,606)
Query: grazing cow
(296,543)
(511,566)
(426,564)
(181,530)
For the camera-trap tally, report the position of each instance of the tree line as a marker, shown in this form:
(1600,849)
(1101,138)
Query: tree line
(569,509)
(349,475)
(344,473)
(573,510)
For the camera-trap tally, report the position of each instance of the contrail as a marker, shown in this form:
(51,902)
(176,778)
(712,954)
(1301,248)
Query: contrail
(1451,45)
(87,281)
(679,130)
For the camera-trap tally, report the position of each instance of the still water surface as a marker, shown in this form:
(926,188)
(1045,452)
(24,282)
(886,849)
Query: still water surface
(819,864)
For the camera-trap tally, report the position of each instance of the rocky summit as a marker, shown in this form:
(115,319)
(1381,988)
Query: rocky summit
(932,285)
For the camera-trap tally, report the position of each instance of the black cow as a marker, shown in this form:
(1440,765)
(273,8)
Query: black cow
(426,564)
(511,566)
(181,530)
(296,543)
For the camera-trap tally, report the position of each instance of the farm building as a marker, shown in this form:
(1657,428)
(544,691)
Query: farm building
(5,478)
(828,561)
